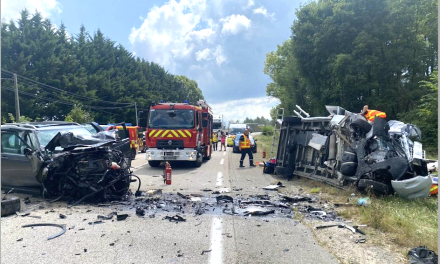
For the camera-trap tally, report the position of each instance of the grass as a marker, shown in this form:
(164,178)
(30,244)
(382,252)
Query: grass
(265,143)
(407,223)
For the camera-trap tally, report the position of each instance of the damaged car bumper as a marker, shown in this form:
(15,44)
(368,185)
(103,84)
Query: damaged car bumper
(417,187)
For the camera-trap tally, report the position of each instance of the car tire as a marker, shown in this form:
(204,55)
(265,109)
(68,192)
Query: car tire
(362,124)
(154,163)
(378,187)
(10,205)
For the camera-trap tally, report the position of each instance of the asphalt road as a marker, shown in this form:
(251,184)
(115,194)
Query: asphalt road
(225,238)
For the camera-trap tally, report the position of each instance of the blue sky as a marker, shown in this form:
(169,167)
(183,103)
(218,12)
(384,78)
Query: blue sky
(222,44)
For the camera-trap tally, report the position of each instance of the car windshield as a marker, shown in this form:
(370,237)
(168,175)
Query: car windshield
(216,125)
(45,136)
(171,118)
(236,130)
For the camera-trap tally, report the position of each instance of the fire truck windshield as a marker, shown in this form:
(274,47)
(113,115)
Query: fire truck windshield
(173,118)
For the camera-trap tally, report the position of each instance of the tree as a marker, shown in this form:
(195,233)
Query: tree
(78,115)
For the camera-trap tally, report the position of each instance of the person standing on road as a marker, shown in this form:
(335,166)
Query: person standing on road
(223,141)
(245,147)
(215,141)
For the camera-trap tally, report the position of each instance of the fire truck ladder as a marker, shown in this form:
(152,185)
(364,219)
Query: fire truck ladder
(277,127)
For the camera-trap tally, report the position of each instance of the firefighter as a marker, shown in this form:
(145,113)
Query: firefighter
(245,147)
(371,114)
(215,141)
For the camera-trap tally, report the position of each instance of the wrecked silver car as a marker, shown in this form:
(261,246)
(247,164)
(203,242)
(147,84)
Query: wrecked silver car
(344,148)
(64,160)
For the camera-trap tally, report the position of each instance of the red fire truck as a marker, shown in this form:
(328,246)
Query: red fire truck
(179,132)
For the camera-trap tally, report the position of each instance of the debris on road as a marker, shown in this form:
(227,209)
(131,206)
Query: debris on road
(121,217)
(224,198)
(140,211)
(176,218)
(422,255)
(63,216)
(63,227)
(206,251)
(271,187)
(108,217)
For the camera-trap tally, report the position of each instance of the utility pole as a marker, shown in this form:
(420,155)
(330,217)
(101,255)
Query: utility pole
(17,101)
(136,110)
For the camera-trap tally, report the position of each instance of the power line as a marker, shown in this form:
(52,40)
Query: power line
(56,101)
(28,80)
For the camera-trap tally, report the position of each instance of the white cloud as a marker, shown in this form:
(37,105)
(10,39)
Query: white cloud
(203,54)
(250,3)
(240,109)
(167,31)
(10,9)
(262,10)
(235,23)
(219,56)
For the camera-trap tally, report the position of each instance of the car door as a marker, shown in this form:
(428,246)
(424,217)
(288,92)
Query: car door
(16,167)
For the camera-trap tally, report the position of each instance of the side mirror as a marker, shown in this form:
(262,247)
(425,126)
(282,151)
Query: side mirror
(27,151)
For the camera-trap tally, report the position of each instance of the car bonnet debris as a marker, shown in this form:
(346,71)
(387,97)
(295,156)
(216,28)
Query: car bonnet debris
(63,227)
(82,168)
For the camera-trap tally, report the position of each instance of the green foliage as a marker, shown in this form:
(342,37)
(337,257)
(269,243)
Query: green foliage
(359,52)
(78,115)
(425,114)
(259,120)
(267,130)
(88,68)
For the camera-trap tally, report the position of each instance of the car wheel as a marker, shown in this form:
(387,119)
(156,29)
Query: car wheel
(10,205)
(362,124)
(154,163)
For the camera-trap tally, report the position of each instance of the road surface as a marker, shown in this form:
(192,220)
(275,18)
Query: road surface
(212,237)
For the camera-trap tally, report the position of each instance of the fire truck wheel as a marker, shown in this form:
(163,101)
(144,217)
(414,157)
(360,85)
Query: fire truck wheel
(154,163)
(199,160)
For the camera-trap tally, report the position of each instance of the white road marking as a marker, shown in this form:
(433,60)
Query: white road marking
(219,179)
(137,167)
(222,161)
(224,153)
(216,242)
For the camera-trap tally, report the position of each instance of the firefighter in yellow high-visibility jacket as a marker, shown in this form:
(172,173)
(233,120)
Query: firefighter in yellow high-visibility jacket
(371,114)
(245,148)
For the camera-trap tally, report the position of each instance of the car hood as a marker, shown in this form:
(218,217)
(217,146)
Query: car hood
(69,141)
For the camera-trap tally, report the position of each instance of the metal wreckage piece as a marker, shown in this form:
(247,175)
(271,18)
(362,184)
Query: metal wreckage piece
(85,169)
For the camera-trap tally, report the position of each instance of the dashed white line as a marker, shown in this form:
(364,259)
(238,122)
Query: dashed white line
(222,161)
(216,242)
(219,179)
(224,153)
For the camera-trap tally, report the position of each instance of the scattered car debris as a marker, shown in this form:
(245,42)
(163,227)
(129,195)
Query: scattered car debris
(205,251)
(96,222)
(196,199)
(271,187)
(63,227)
(108,217)
(422,255)
(140,211)
(176,218)
(20,239)
(258,211)
(224,198)
(360,240)
(222,190)
(27,200)
(294,199)
(206,190)
(10,205)
(121,217)
(63,216)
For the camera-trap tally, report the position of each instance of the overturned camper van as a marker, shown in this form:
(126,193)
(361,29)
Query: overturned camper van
(344,148)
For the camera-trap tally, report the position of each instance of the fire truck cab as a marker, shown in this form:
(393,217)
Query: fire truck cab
(179,132)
